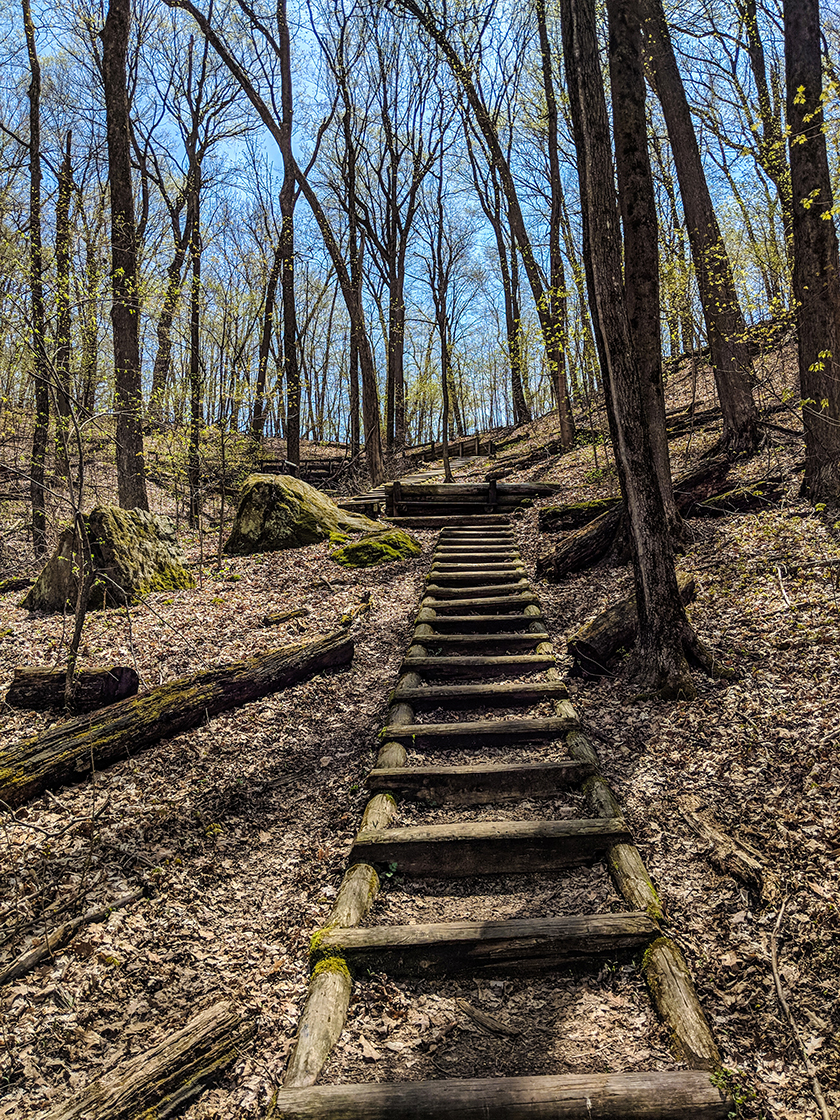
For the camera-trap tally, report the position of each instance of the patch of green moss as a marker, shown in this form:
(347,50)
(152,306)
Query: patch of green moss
(334,964)
(337,538)
(377,548)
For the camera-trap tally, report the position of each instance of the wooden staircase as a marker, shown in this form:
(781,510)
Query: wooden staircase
(478,612)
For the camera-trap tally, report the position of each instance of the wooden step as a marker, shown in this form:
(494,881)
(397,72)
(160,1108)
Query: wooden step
(479,591)
(499,694)
(683,1095)
(477,556)
(439,578)
(504,665)
(480,733)
(481,622)
(524,944)
(490,566)
(492,603)
(489,847)
(467,642)
(482,784)
(440,521)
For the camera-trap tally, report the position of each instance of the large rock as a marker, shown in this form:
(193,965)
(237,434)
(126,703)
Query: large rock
(133,552)
(378,548)
(279,511)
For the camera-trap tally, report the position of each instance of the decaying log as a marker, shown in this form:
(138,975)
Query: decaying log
(66,751)
(15,583)
(59,937)
(598,539)
(40,689)
(729,855)
(160,1082)
(613,629)
(284,616)
(583,547)
(574,515)
(742,499)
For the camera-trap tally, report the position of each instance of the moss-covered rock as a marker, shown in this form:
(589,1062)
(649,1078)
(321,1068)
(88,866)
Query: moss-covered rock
(378,548)
(278,511)
(133,553)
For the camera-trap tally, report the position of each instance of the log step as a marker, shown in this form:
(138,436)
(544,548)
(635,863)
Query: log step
(499,694)
(480,785)
(472,641)
(684,1095)
(489,848)
(480,591)
(445,948)
(463,566)
(491,603)
(500,575)
(442,520)
(480,733)
(488,623)
(509,665)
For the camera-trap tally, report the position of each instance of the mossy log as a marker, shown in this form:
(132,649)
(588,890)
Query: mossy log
(65,752)
(162,1080)
(41,689)
(742,499)
(575,514)
(613,629)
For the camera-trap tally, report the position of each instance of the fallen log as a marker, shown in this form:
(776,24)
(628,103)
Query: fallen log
(613,629)
(41,689)
(605,534)
(67,751)
(284,616)
(160,1082)
(574,515)
(742,499)
(60,936)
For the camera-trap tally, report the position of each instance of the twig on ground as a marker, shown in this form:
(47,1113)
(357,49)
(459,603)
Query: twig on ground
(777,980)
(782,586)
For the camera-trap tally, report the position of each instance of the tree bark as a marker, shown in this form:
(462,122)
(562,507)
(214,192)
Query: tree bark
(125,306)
(66,752)
(163,356)
(661,665)
(41,689)
(725,324)
(63,264)
(816,272)
(40,373)
(287,241)
(258,412)
(640,226)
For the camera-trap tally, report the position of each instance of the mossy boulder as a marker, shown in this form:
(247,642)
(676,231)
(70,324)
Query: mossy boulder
(278,511)
(377,548)
(133,553)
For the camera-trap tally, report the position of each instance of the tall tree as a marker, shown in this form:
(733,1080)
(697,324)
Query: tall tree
(125,306)
(664,633)
(40,365)
(725,324)
(816,271)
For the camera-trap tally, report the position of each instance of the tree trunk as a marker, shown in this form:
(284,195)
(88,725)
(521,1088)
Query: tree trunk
(40,434)
(661,665)
(63,263)
(258,411)
(66,752)
(125,306)
(724,320)
(193,452)
(816,273)
(640,225)
(163,356)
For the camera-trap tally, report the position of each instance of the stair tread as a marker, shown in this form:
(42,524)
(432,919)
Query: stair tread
(500,693)
(519,729)
(681,1095)
(482,783)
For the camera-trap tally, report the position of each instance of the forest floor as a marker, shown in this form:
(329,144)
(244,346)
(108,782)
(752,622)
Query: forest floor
(239,830)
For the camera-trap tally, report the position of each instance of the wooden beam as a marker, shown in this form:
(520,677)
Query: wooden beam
(481,732)
(480,784)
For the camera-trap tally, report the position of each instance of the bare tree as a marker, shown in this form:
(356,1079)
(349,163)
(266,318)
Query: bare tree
(816,272)
(125,307)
